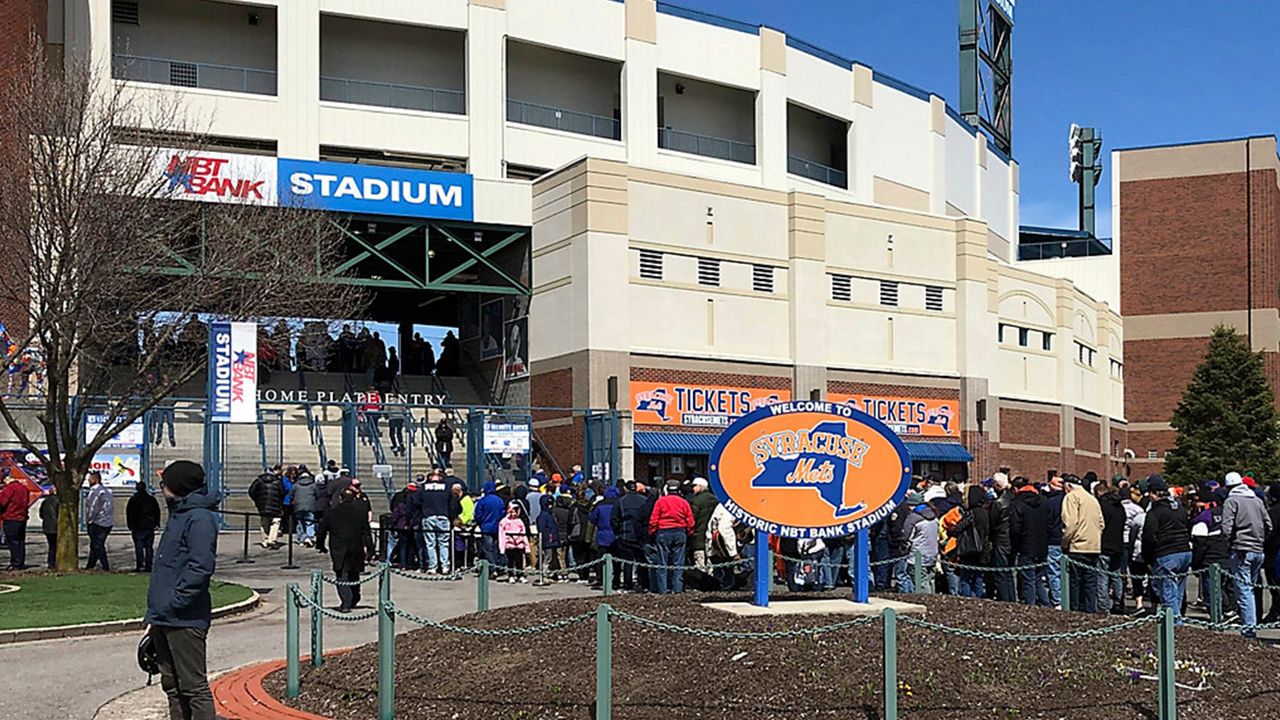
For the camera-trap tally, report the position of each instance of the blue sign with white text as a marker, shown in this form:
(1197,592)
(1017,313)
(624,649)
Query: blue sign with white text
(375,190)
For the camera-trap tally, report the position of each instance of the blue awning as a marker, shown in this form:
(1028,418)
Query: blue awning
(673,443)
(937,451)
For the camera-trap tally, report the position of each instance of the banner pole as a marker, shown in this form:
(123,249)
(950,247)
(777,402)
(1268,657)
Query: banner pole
(764,573)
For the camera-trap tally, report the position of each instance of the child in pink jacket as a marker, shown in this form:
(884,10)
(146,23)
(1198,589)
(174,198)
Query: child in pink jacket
(513,540)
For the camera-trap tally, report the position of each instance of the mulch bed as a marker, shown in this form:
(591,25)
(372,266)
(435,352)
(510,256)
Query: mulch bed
(659,676)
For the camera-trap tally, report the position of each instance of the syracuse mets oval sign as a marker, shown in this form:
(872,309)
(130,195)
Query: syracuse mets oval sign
(809,468)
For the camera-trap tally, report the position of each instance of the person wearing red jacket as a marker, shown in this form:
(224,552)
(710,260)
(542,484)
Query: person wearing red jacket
(14,502)
(670,525)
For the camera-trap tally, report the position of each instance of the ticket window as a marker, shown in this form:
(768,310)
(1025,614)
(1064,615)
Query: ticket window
(948,471)
(673,467)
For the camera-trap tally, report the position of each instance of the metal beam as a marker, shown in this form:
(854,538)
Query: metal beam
(377,252)
(393,239)
(483,258)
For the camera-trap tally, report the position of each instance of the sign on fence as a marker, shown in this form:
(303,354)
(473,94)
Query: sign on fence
(233,372)
(506,437)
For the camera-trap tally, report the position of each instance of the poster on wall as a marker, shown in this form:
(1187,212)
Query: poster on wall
(908,417)
(130,437)
(233,372)
(517,349)
(660,403)
(120,469)
(28,469)
(504,436)
(491,330)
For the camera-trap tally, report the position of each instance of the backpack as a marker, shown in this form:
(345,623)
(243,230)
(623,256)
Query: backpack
(969,541)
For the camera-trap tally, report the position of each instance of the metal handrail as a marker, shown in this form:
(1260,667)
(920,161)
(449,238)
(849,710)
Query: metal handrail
(1061,249)
(707,145)
(184,73)
(817,171)
(574,121)
(407,97)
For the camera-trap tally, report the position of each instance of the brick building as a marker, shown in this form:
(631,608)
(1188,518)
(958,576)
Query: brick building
(1198,235)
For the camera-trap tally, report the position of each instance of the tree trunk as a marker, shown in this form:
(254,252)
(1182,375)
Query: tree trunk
(68,484)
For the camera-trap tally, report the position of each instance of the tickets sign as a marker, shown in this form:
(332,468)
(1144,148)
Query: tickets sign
(909,417)
(809,469)
(697,405)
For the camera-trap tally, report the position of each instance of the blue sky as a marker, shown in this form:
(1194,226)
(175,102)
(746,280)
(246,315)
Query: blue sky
(1146,72)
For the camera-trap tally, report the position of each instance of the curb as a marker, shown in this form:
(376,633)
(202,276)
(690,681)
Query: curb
(114,626)
(239,695)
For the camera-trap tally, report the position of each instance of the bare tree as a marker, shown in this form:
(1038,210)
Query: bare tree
(111,274)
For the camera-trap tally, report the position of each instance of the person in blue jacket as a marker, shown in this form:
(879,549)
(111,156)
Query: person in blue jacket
(548,533)
(179,609)
(601,517)
(490,510)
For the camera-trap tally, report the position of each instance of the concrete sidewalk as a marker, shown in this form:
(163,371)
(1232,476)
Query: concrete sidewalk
(73,678)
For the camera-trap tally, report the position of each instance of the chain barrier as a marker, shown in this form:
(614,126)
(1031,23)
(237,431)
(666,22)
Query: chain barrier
(303,601)
(741,635)
(482,632)
(1134,576)
(1233,627)
(992,568)
(660,566)
(1019,637)
(350,583)
(565,571)
(458,574)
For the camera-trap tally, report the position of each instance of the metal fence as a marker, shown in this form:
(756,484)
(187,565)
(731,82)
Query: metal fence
(582,123)
(817,171)
(707,146)
(193,74)
(408,97)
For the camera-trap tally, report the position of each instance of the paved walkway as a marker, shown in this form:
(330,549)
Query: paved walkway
(73,678)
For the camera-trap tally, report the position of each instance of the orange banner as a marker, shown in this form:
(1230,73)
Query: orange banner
(697,405)
(908,417)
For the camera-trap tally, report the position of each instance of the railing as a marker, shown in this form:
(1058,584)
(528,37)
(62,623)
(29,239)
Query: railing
(817,171)
(1062,249)
(193,74)
(407,97)
(582,123)
(707,146)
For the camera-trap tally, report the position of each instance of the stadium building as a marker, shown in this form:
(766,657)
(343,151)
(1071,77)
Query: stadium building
(696,215)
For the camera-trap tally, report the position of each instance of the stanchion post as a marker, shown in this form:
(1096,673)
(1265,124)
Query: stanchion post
(317,618)
(764,570)
(1168,700)
(606,574)
(289,563)
(604,664)
(890,619)
(384,583)
(244,554)
(482,587)
(1215,594)
(1064,581)
(292,682)
(917,571)
(386,661)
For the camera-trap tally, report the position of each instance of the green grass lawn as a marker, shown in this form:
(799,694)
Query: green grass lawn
(51,600)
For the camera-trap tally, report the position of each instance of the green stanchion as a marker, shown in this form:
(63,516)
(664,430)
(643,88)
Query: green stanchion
(604,664)
(1064,580)
(293,685)
(482,587)
(1215,593)
(917,571)
(384,584)
(1168,700)
(606,575)
(386,661)
(890,664)
(317,618)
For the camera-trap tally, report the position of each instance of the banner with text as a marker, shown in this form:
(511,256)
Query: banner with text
(697,405)
(233,372)
(908,417)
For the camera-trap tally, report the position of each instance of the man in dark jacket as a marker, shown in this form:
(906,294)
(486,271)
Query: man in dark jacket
(142,515)
(305,493)
(1271,553)
(1001,548)
(49,523)
(1029,539)
(1113,559)
(435,507)
(703,503)
(1166,546)
(346,526)
(548,536)
(400,544)
(1053,498)
(564,516)
(972,545)
(179,609)
(267,493)
(631,529)
(490,510)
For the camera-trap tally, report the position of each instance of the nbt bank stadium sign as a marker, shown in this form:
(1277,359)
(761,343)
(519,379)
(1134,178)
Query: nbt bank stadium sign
(338,187)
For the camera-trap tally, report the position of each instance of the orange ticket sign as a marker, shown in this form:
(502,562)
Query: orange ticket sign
(809,469)
(697,405)
(908,417)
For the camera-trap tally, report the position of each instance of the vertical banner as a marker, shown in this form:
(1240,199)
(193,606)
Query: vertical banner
(233,372)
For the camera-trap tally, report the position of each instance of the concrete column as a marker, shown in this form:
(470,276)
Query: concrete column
(938,155)
(807,287)
(771,109)
(640,83)
(861,170)
(486,86)
(298,79)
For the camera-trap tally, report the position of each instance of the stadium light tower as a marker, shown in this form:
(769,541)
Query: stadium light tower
(1086,171)
(986,68)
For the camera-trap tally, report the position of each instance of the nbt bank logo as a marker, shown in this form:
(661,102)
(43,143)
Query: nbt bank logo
(212,178)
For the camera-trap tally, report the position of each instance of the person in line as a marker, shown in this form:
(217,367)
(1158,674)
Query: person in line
(267,493)
(1209,547)
(179,609)
(1114,558)
(400,543)
(1082,525)
(444,443)
(722,544)
(1166,546)
(435,507)
(305,495)
(13,513)
(1029,539)
(142,516)
(565,517)
(513,541)
(99,508)
(548,536)
(919,535)
(1135,507)
(1001,511)
(49,524)
(1054,496)
(350,536)
(1245,523)
(490,510)
(670,524)
(631,529)
(703,503)
(1271,553)
(970,525)
(601,519)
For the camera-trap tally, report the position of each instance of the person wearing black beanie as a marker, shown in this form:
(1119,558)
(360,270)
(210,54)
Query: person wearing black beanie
(179,609)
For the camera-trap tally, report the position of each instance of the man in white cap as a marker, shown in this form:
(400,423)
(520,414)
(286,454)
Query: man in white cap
(703,504)
(1246,523)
